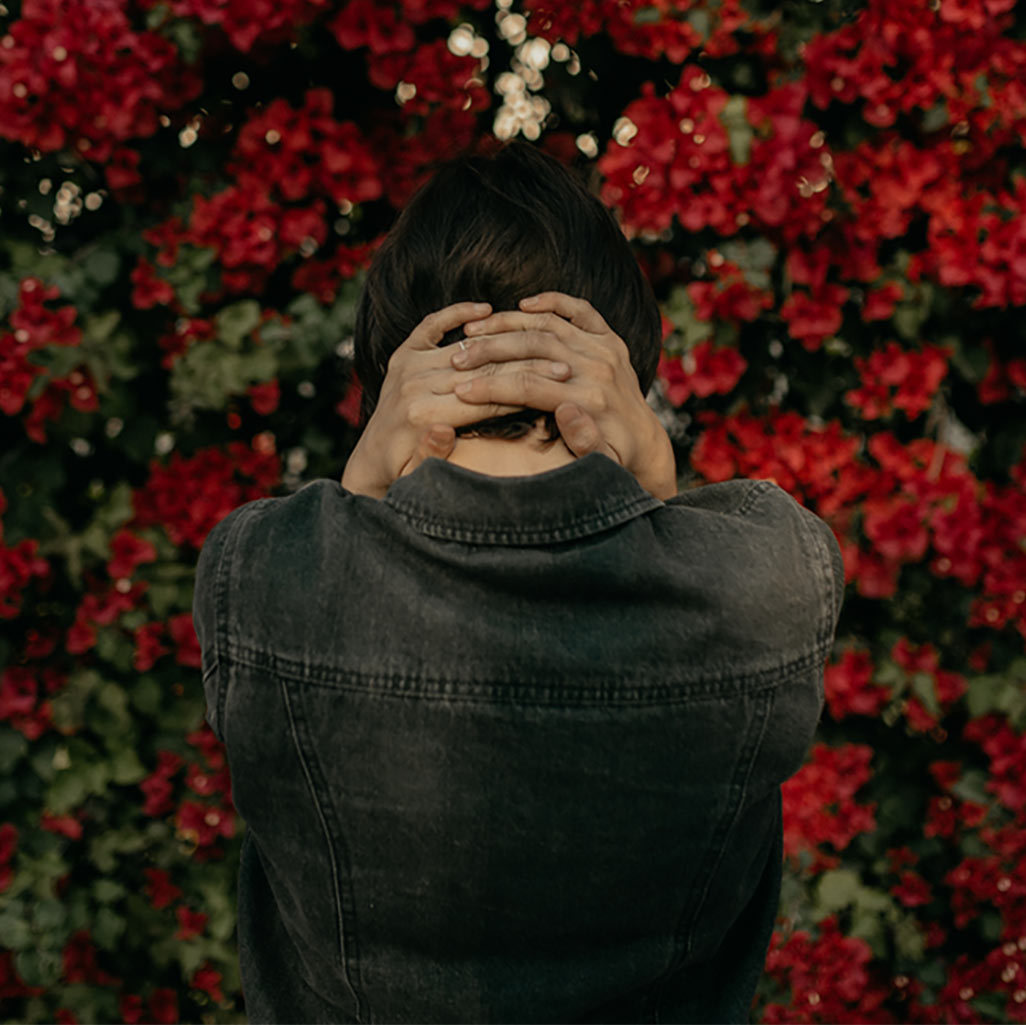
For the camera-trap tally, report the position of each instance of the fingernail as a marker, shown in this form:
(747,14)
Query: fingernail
(481,307)
(532,301)
(439,435)
(561,368)
(472,328)
(460,358)
(465,386)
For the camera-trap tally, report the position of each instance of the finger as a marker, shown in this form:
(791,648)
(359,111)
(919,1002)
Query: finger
(437,442)
(579,431)
(449,410)
(432,329)
(579,312)
(519,388)
(545,353)
(519,320)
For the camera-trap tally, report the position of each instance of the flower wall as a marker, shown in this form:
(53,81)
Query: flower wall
(830,201)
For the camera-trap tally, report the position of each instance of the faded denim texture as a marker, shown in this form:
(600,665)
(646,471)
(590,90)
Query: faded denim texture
(510,749)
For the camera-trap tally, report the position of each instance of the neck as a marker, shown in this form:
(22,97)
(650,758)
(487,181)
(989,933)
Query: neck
(505,457)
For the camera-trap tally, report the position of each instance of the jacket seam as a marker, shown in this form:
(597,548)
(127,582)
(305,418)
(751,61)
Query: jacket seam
(222,604)
(332,857)
(581,526)
(610,692)
(684,934)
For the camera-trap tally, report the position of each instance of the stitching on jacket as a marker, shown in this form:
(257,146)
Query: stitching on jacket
(222,600)
(759,488)
(344,960)
(609,692)
(591,523)
(684,934)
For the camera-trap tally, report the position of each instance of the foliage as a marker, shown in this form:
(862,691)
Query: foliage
(830,201)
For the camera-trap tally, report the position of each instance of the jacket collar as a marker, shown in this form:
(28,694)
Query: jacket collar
(589,495)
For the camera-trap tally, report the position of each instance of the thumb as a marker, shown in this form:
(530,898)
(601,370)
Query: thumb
(437,442)
(579,431)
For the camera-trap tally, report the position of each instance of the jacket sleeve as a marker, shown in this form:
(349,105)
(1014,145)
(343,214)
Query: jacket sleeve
(209,600)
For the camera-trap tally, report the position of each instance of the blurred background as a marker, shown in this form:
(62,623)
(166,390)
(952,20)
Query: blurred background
(830,201)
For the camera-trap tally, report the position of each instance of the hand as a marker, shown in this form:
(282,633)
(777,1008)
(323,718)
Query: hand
(599,409)
(417,411)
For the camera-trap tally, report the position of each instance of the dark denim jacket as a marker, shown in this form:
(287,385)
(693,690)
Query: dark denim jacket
(510,749)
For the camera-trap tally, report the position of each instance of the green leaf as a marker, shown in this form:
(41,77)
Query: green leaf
(235,322)
(125,767)
(971,786)
(68,707)
(103,266)
(15,931)
(38,967)
(647,16)
(908,939)
(98,327)
(12,747)
(837,889)
(924,689)
(107,928)
(680,310)
(67,791)
(108,890)
(146,695)
(739,130)
(48,915)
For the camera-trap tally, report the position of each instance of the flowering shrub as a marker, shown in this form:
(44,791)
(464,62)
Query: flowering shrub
(830,203)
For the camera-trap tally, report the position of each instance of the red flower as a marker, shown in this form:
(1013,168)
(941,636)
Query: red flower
(128,551)
(81,965)
(202,824)
(812,317)
(915,376)
(159,888)
(880,302)
(130,1007)
(190,923)
(163,1004)
(187,649)
(65,825)
(76,74)
(208,980)
(158,787)
(264,397)
(18,565)
(188,497)
(850,689)
(912,890)
(148,647)
(829,978)
(819,805)
(702,371)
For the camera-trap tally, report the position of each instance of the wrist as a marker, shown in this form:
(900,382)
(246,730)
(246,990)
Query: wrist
(658,472)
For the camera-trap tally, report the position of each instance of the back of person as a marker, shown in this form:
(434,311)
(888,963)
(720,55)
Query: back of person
(510,748)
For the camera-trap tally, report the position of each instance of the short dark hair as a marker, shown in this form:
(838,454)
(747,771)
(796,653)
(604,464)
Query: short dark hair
(497,229)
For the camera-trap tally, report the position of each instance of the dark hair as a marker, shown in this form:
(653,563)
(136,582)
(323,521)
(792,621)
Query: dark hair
(497,229)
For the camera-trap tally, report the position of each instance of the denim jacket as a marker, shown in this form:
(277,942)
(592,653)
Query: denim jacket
(510,749)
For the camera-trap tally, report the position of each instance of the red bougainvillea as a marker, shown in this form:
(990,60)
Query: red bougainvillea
(830,207)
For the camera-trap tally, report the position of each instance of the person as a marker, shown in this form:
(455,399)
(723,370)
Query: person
(507,715)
